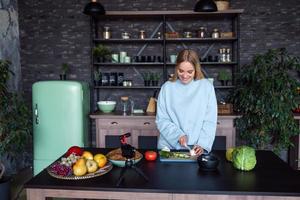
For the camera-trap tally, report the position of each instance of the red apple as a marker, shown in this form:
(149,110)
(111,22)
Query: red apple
(75,150)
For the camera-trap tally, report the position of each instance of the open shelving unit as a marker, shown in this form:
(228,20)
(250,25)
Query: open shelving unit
(166,21)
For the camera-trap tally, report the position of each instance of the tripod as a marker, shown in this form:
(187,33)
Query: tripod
(129,165)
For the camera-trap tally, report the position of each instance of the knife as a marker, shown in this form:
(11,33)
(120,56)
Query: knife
(192,152)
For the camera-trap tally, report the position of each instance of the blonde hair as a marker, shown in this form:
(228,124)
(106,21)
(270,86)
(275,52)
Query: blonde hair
(190,56)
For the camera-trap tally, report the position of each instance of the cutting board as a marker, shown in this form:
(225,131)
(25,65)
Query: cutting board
(174,159)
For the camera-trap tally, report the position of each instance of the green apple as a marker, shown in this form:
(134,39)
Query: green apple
(91,166)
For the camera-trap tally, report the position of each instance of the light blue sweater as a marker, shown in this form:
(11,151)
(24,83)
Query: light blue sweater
(187,109)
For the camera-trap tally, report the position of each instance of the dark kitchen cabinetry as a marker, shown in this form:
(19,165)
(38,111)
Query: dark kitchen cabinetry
(157,25)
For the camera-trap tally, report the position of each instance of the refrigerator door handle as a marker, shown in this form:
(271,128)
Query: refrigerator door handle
(36,114)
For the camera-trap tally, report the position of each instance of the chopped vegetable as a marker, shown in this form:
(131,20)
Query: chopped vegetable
(167,154)
(166,149)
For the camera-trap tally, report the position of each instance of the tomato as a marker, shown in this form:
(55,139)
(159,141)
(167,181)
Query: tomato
(150,155)
(75,150)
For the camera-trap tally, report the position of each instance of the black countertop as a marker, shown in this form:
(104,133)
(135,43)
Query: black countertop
(271,176)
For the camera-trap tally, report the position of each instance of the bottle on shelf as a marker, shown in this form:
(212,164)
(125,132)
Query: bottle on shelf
(201,32)
(215,33)
(158,35)
(142,34)
(222,55)
(106,33)
(120,78)
(228,55)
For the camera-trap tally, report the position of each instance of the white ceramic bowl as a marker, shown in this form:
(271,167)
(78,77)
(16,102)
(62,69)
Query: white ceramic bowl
(106,106)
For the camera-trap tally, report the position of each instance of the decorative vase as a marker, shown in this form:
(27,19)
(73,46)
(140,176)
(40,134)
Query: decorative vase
(224,82)
(147,83)
(154,83)
(63,77)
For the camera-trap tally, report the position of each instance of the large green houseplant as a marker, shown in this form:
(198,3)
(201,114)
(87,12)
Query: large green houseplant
(265,96)
(15,118)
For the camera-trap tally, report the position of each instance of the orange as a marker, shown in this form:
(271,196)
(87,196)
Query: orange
(100,159)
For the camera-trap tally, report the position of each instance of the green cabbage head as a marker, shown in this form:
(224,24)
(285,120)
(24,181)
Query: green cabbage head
(243,158)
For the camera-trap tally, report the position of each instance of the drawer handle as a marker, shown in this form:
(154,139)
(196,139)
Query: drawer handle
(147,123)
(114,123)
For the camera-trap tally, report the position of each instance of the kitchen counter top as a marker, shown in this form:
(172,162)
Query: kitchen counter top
(98,114)
(271,178)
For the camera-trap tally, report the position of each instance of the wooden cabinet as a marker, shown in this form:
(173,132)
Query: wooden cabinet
(144,125)
(225,127)
(115,125)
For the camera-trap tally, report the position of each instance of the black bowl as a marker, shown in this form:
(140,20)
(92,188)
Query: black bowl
(208,162)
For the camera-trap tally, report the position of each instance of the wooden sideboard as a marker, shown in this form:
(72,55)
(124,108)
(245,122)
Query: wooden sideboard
(115,124)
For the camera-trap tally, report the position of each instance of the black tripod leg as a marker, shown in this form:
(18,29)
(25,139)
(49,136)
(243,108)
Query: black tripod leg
(121,177)
(139,171)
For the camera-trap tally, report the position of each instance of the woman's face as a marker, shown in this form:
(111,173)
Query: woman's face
(186,72)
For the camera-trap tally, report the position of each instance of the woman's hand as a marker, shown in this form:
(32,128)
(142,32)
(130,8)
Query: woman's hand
(198,150)
(183,140)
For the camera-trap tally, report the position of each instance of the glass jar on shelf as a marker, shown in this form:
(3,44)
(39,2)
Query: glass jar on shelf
(106,33)
(201,33)
(215,34)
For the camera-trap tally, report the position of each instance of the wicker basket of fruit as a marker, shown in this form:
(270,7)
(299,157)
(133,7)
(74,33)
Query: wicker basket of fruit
(78,165)
(57,170)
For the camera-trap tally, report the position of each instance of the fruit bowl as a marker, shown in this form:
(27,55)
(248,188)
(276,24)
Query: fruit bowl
(106,106)
(101,171)
(116,158)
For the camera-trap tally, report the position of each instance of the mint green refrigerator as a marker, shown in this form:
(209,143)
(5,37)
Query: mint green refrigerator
(60,119)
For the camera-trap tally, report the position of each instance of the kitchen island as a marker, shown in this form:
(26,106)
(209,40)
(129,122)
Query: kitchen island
(271,179)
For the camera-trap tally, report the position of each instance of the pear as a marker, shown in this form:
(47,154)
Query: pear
(79,168)
(91,165)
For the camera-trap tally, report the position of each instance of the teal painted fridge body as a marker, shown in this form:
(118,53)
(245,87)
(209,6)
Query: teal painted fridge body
(60,119)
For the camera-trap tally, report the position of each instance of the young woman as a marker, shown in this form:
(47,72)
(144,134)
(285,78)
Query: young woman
(187,107)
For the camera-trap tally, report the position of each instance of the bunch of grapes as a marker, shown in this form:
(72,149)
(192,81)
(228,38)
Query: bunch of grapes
(60,169)
(70,160)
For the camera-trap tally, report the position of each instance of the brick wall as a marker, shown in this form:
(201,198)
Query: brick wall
(53,32)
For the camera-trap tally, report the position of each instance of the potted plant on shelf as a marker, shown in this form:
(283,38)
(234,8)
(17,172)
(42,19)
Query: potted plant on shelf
(224,76)
(265,96)
(15,127)
(155,78)
(147,78)
(101,53)
(64,70)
